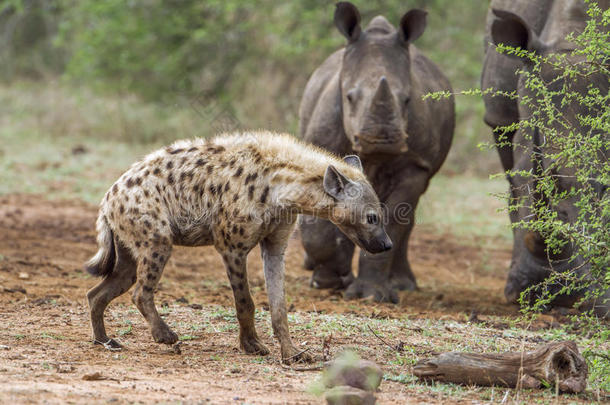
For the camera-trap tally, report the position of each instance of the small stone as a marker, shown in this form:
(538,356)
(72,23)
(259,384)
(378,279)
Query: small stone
(176,348)
(196,306)
(24,276)
(357,373)
(65,368)
(15,289)
(79,150)
(94,376)
(346,395)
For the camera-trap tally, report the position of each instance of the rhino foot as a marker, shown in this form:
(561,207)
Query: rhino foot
(321,280)
(403,283)
(308,263)
(366,288)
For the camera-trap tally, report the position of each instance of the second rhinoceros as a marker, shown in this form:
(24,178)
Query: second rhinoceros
(367,99)
(542,28)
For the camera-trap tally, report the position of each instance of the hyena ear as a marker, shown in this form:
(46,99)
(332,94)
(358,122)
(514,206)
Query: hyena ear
(353,161)
(335,183)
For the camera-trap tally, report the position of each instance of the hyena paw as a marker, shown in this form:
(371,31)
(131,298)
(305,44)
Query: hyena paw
(110,344)
(163,334)
(253,345)
(294,355)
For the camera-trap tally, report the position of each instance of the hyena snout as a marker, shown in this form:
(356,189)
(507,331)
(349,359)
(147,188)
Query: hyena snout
(378,243)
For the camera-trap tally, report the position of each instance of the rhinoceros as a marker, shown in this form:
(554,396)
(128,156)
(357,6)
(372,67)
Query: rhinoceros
(539,26)
(367,99)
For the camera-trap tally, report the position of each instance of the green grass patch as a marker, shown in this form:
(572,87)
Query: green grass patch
(467,207)
(49,335)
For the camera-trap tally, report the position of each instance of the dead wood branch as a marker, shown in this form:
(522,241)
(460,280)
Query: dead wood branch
(558,364)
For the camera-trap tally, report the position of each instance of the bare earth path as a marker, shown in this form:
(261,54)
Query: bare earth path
(44,332)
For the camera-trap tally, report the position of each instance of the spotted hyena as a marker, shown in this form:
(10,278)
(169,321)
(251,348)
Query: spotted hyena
(232,192)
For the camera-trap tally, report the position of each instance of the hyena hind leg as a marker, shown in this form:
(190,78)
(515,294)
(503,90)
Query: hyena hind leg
(235,264)
(150,268)
(123,276)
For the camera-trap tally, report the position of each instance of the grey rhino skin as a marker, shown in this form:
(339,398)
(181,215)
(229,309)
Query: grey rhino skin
(366,99)
(519,24)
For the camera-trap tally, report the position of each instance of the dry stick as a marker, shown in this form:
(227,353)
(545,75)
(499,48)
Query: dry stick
(379,337)
(531,369)
(312,368)
(296,355)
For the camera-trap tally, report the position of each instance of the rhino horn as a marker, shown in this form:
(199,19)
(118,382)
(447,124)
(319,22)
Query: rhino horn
(382,105)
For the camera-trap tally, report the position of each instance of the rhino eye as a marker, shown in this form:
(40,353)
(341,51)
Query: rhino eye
(372,219)
(407,99)
(351,96)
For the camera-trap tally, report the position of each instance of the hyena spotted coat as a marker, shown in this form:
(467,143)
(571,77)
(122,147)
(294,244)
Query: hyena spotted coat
(232,192)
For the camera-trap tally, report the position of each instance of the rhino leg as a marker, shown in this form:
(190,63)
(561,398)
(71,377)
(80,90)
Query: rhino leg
(328,252)
(383,275)
(505,151)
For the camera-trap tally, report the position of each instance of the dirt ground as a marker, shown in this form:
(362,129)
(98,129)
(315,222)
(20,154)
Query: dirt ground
(46,354)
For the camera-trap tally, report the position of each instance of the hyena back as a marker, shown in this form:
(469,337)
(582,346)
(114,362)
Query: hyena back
(232,192)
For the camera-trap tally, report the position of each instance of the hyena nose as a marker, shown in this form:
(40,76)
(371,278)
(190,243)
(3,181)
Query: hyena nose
(387,245)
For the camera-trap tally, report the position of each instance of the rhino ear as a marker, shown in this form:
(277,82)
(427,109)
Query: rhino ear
(412,25)
(347,20)
(335,183)
(353,161)
(510,29)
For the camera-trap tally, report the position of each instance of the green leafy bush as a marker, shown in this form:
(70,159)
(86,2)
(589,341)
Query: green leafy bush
(564,131)
(569,127)
(249,59)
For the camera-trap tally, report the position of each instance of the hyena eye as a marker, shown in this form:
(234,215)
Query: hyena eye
(372,219)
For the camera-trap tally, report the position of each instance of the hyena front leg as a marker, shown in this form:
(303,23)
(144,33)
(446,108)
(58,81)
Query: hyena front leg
(272,250)
(123,276)
(235,264)
(151,261)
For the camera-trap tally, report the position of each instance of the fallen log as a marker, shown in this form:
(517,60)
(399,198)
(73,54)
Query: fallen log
(558,364)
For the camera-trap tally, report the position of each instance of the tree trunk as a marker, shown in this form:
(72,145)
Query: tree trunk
(555,363)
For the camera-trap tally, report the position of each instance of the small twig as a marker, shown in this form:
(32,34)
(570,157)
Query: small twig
(312,368)
(380,338)
(326,347)
(296,355)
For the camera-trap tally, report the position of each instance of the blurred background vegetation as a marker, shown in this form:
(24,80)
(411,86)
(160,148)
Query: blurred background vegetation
(140,73)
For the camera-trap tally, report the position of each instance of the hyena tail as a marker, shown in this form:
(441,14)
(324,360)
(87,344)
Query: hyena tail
(102,264)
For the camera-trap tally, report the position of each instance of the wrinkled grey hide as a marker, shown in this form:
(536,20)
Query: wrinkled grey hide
(366,99)
(519,24)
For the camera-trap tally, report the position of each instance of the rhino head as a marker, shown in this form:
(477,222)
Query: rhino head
(376,89)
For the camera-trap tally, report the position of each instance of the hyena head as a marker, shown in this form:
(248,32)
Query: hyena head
(357,212)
